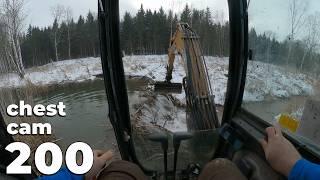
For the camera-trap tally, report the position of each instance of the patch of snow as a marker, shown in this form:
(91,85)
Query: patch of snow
(266,79)
(76,70)
(165,114)
(153,66)
(152,111)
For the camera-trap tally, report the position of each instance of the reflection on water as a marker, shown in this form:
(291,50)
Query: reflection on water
(87,114)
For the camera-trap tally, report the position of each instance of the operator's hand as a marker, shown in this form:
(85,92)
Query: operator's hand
(100,159)
(279,152)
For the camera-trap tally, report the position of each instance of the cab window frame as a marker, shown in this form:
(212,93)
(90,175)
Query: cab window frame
(239,56)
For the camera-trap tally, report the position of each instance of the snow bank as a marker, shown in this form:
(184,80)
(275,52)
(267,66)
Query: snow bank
(218,69)
(163,113)
(263,79)
(75,70)
(269,80)
(153,66)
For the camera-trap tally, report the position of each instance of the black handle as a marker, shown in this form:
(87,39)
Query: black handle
(177,138)
(163,139)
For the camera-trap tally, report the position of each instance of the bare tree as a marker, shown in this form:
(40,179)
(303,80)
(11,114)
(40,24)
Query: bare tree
(58,13)
(5,63)
(312,38)
(12,24)
(297,13)
(69,17)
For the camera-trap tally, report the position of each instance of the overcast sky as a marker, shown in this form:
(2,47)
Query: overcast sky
(39,11)
(273,15)
(265,15)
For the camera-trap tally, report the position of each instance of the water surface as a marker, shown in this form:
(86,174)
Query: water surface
(87,114)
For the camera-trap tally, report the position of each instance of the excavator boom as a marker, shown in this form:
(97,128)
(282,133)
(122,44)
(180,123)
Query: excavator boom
(200,100)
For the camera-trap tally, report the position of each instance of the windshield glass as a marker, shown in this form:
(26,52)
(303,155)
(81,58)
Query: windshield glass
(282,82)
(176,57)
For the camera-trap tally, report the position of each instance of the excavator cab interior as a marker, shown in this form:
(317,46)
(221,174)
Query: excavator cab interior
(144,126)
(210,92)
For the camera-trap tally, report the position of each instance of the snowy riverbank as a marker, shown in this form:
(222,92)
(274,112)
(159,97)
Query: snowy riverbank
(264,80)
(76,70)
(152,110)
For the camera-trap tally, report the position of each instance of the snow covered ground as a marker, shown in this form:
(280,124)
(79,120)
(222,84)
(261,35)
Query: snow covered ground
(270,80)
(76,70)
(264,81)
(153,111)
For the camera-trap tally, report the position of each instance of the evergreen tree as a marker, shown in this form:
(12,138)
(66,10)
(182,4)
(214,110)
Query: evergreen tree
(186,15)
(127,29)
(79,39)
(140,29)
(149,30)
(92,35)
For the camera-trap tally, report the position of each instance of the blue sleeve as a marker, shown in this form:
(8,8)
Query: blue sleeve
(305,170)
(62,174)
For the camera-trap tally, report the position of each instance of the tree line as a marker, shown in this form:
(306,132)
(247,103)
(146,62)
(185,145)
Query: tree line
(149,32)
(301,55)
(67,40)
(145,32)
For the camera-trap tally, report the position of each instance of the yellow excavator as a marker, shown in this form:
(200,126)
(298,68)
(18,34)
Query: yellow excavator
(199,96)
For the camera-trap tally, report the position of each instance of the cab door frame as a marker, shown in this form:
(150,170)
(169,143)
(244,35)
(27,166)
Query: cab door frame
(114,79)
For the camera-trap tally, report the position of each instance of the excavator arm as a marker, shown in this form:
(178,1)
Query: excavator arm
(200,100)
(176,45)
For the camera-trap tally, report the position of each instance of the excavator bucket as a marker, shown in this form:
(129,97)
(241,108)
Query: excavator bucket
(168,87)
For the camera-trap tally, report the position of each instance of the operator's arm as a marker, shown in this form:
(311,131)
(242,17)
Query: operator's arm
(100,158)
(284,158)
(304,169)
